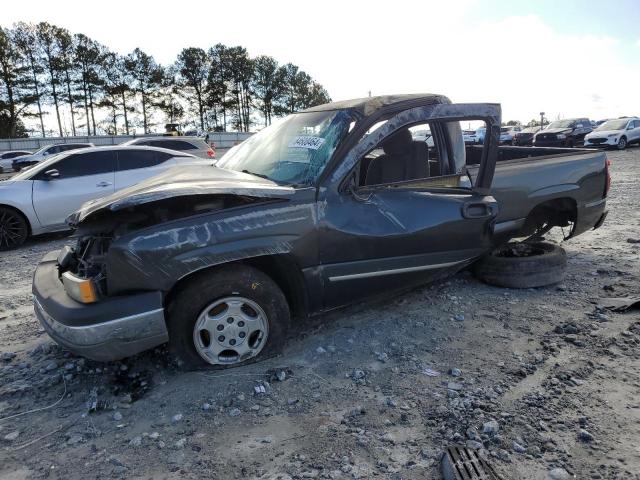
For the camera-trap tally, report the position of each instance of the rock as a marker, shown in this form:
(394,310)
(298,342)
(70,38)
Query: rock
(455,372)
(382,357)
(154,435)
(474,445)
(176,418)
(7,356)
(455,386)
(358,374)
(234,412)
(10,437)
(585,436)
(117,416)
(135,441)
(206,406)
(281,375)
(181,443)
(491,427)
(51,365)
(388,438)
(458,317)
(75,439)
(559,474)
(321,350)
(633,240)
(518,448)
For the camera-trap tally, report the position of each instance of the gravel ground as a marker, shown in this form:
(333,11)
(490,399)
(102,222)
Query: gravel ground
(541,381)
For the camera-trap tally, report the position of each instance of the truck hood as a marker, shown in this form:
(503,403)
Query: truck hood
(182,182)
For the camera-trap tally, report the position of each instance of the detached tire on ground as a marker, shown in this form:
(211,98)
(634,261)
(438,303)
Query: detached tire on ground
(230,316)
(523,265)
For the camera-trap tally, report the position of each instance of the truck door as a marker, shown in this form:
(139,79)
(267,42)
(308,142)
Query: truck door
(400,213)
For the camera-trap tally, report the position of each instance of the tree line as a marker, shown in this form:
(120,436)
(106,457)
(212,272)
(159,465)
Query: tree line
(46,70)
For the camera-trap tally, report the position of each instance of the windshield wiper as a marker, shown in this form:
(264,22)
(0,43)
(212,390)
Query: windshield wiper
(261,175)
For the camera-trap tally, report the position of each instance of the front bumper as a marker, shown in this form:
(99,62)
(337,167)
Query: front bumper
(111,329)
(551,143)
(609,142)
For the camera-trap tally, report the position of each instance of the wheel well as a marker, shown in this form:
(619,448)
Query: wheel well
(559,212)
(280,268)
(24,217)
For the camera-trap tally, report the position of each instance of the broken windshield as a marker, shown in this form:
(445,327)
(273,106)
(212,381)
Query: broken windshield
(294,150)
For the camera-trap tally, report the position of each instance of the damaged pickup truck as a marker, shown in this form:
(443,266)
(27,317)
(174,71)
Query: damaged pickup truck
(324,208)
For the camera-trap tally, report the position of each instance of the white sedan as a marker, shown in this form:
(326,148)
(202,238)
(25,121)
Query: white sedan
(39,199)
(616,133)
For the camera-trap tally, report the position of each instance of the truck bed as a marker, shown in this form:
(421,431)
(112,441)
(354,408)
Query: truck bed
(530,177)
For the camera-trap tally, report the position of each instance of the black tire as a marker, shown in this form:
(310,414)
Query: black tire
(523,265)
(204,289)
(14,229)
(622,143)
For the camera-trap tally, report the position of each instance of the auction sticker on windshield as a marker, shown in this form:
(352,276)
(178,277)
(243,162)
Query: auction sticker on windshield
(307,141)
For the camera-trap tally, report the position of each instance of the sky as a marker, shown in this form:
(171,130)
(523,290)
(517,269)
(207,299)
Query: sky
(568,58)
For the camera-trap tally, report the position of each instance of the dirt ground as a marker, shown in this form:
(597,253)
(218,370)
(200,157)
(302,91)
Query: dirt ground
(541,381)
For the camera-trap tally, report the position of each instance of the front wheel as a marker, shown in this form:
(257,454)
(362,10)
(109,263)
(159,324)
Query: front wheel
(622,143)
(227,317)
(13,229)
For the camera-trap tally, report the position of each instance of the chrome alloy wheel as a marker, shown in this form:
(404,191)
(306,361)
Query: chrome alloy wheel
(230,331)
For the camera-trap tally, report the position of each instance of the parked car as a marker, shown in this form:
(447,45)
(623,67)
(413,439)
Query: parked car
(418,135)
(524,137)
(469,136)
(38,200)
(6,159)
(480,133)
(507,133)
(563,133)
(305,216)
(615,133)
(193,145)
(27,160)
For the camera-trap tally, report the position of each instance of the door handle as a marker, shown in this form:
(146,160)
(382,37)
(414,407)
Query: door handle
(104,184)
(477,210)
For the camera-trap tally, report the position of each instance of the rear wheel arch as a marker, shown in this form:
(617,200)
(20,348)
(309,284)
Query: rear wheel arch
(558,212)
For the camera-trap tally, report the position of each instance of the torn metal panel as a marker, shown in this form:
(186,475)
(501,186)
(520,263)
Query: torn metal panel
(184,182)
(158,257)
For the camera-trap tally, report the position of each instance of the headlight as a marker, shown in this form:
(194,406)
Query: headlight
(612,135)
(561,136)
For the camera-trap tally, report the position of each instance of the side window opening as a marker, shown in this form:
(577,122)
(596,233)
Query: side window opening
(421,154)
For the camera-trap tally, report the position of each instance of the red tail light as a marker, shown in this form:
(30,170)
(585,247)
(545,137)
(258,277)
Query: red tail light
(212,153)
(607,184)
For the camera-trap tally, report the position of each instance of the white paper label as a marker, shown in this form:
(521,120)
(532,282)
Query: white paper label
(307,141)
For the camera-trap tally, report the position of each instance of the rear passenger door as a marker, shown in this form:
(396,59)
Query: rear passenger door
(136,165)
(634,133)
(81,177)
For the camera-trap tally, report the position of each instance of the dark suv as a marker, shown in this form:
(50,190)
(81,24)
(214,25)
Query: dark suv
(563,133)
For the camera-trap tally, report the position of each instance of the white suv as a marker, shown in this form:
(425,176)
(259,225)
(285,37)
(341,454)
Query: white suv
(616,133)
(39,199)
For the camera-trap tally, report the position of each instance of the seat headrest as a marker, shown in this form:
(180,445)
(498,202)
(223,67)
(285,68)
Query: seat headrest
(399,142)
